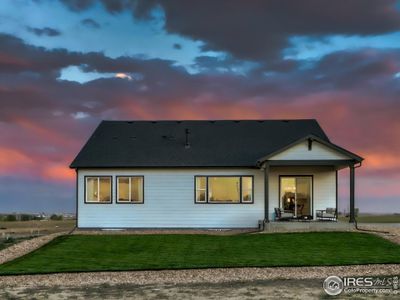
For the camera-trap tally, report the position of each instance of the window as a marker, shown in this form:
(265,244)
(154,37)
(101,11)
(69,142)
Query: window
(224,189)
(201,189)
(130,189)
(98,189)
(247,189)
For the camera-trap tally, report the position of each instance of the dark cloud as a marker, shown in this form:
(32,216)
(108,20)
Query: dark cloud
(177,46)
(78,5)
(47,31)
(88,22)
(354,94)
(260,30)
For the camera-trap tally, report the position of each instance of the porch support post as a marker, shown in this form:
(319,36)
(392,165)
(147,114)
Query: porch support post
(352,208)
(266,193)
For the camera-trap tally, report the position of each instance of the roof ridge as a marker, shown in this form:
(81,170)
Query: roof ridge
(212,120)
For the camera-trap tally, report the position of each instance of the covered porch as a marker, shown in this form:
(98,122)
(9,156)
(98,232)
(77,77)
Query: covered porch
(301,186)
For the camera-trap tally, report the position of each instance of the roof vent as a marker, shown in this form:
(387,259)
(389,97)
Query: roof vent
(260,121)
(154,122)
(187,144)
(212,122)
(130,122)
(285,121)
(236,121)
(168,137)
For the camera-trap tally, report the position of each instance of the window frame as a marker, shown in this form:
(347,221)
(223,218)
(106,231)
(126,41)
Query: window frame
(98,178)
(117,189)
(225,202)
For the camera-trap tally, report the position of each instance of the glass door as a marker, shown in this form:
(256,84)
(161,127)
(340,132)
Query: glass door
(295,194)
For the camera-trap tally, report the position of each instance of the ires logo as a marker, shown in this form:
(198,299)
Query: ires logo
(334,285)
(358,281)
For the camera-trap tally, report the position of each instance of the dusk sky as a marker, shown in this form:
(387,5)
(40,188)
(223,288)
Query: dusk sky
(67,65)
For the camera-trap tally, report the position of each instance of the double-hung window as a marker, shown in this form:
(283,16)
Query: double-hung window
(130,189)
(224,189)
(98,189)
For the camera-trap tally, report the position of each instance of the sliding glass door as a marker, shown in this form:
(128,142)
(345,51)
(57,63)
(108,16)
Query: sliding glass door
(296,194)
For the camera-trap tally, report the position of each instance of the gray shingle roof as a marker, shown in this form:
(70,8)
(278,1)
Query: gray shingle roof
(212,143)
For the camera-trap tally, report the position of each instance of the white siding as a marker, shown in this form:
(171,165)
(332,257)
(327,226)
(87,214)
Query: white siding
(300,152)
(169,202)
(324,185)
(169,199)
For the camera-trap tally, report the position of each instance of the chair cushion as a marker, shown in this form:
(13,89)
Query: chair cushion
(286,215)
(330,210)
(326,215)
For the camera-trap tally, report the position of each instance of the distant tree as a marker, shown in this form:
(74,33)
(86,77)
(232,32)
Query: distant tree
(55,217)
(11,218)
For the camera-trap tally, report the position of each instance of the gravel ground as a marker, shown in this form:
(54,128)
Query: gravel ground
(165,231)
(392,231)
(25,247)
(238,290)
(217,275)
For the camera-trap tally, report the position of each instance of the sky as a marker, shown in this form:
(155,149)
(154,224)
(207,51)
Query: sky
(66,65)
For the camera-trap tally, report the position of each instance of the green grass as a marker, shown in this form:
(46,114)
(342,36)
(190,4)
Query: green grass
(139,252)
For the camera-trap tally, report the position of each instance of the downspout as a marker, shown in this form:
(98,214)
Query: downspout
(76,201)
(355,220)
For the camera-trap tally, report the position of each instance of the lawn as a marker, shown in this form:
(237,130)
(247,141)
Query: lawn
(139,252)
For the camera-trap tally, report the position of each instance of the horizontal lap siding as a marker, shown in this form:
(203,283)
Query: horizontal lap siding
(169,202)
(324,187)
(301,152)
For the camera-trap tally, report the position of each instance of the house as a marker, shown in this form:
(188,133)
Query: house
(207,174)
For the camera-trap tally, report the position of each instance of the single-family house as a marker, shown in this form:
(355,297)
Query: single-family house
(208,174)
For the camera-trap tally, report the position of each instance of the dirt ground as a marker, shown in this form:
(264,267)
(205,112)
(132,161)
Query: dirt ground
(27,228)
(267,289)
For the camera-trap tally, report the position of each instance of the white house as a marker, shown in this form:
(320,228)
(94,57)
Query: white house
(208,174)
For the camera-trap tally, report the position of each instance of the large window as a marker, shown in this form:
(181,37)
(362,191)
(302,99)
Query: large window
(98,189)
(130,189)
(223,189)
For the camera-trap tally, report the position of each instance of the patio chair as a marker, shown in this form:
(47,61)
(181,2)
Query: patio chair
(283,215)
(328,214)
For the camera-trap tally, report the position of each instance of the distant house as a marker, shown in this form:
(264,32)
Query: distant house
(208,174)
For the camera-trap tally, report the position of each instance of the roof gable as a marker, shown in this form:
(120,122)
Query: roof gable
(311,148)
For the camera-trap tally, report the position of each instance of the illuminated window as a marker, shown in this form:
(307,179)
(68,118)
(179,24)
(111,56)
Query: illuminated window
(247,189)
(98,189)
(201,189)
(224,189)
(130,189)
